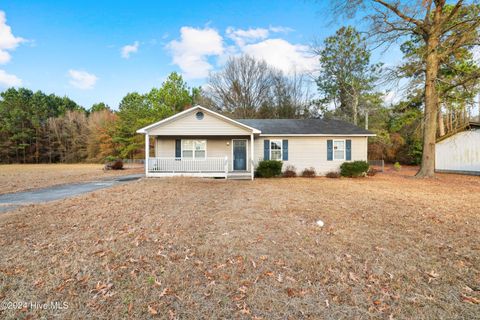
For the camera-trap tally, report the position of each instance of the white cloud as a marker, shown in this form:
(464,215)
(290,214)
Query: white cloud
(8,41)
(195,46)
(129,49)
(191,52)
(242,37)
(9,80)
(280,29)
(283,55)
(82,79)
(4,56)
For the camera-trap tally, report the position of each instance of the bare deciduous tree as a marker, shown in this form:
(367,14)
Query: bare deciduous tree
(242,86)
(289,97)
(250,88)
(69,134)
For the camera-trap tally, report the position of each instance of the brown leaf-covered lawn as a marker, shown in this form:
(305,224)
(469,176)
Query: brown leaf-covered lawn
(21,177)
(392,247)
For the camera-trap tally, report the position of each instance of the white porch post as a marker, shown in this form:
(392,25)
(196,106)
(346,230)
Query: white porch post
(225,165)
(147,152)
(252,166)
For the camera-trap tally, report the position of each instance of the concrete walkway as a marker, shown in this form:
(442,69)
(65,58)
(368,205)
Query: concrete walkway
(11,201)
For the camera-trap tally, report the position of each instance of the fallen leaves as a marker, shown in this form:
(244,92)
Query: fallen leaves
(280,278)
(242,289)
(103,289)
(164,292)
(469,299)
(39,283)
(100,253)
(243,308)
(12,272)
(293,292)
(432,275)
(64,284)
(152,310)
(352,277)
(146,249)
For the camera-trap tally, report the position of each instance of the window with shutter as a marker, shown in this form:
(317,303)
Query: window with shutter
(338,149)
(329,150)
(276,150)
(348,150)
(285,150)
(266,149)
(178,148)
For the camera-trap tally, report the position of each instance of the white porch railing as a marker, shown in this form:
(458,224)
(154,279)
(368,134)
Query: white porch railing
(178,165)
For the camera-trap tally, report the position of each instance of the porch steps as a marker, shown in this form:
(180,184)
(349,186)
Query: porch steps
(239,176)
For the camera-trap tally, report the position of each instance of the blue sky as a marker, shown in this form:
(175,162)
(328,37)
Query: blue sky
(96,51)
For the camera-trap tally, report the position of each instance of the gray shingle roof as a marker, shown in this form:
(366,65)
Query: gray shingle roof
(303,126)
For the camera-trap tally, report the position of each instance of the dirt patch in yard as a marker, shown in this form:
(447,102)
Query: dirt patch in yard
(21,177)
(392,247)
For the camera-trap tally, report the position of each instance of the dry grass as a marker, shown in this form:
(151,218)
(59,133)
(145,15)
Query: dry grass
(392,247)
(20,177)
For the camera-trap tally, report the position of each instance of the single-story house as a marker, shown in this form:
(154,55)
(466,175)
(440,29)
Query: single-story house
(204,143)
(459,152)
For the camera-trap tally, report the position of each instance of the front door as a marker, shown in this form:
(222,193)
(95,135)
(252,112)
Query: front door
(239,154)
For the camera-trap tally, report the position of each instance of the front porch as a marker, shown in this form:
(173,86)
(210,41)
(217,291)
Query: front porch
(215,167)
(228,157)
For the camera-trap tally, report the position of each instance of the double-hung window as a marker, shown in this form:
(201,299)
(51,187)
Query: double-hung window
(194,149)
(338,149)
(275,149)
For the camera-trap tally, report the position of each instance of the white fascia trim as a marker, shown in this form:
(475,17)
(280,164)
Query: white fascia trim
(145,129)
(317,135)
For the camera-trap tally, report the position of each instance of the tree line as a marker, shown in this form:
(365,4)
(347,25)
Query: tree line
(40,128)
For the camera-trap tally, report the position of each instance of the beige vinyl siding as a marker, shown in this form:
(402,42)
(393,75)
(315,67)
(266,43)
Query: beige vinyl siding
(189,125)
(306,152)
(165,148)
(303,152)
(216,148)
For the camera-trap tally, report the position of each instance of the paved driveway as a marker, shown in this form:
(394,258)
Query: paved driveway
(11,201)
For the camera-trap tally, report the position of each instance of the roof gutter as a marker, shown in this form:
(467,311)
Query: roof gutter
(317,135)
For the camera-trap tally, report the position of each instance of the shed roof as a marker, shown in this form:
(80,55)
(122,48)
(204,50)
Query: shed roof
(472,125)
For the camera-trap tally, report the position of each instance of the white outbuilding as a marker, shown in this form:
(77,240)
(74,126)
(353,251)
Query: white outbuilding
(459,152)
